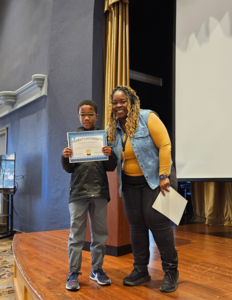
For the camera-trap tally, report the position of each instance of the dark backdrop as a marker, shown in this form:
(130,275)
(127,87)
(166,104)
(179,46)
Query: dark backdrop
(151,52)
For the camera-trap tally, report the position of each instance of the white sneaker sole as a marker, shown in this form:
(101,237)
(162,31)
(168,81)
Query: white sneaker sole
(101,283)
(72,289)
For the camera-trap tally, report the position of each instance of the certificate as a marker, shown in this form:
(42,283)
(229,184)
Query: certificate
(87,145)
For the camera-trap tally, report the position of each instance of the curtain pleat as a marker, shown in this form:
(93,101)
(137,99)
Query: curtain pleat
(212,202)
(116,49)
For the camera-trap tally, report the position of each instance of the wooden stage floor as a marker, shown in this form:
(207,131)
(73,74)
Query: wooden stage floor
(205,265)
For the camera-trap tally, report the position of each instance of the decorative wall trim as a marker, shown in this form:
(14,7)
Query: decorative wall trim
(145,78)
(36,88)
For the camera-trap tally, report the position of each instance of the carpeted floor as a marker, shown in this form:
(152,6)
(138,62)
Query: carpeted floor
(6,270)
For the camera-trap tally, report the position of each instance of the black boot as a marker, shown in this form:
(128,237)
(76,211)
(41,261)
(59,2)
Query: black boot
(170,281)
(136,277)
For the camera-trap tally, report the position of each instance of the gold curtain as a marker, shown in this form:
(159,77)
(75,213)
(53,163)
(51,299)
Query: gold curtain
(212,202)
(116,49)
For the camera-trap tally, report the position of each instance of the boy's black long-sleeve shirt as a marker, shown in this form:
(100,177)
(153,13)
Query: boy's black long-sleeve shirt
(89,179)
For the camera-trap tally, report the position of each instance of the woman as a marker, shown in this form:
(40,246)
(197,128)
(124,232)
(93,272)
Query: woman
(143,149)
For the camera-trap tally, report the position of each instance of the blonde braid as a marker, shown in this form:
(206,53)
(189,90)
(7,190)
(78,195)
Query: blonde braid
(132,121)
(111,127)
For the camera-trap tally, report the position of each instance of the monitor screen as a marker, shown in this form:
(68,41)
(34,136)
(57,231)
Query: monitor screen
(7,173)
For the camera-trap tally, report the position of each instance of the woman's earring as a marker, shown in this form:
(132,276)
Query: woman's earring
(113,116)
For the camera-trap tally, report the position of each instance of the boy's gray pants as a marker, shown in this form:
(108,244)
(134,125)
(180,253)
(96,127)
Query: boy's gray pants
(97,209)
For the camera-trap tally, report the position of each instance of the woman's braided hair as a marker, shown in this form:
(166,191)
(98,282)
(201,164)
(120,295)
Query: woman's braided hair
(132,120)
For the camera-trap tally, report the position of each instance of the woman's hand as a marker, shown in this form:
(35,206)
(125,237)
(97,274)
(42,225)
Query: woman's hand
(106,150)
(67,152)
(164,185)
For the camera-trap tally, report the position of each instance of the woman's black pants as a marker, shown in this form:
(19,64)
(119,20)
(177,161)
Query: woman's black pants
(138,200)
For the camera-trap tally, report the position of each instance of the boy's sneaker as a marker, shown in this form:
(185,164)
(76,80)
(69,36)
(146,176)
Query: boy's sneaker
(100,276)
(72,281)
(170,281)
(136,277)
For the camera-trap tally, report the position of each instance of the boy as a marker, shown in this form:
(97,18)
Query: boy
(89,193)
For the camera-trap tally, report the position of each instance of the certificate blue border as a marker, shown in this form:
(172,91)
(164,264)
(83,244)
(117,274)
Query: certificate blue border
(71,135)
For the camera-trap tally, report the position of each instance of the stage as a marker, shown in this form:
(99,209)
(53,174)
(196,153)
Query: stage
(205,265)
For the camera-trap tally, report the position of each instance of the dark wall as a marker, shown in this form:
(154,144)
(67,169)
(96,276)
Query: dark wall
(151,52)
(51,37)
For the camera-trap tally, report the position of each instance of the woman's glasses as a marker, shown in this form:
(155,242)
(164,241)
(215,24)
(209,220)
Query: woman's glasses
(123,102)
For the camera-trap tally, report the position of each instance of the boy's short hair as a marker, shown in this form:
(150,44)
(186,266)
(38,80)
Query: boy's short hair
(87,102)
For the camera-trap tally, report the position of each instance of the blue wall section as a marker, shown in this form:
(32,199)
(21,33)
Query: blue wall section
(24,38)
(64,40)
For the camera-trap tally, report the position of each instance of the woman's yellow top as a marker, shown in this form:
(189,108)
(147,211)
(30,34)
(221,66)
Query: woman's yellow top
(159,134)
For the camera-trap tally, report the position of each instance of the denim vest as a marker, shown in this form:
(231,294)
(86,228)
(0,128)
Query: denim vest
(145,150)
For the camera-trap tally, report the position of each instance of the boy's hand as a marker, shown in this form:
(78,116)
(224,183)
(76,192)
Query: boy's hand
(106,150)
(67,152)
